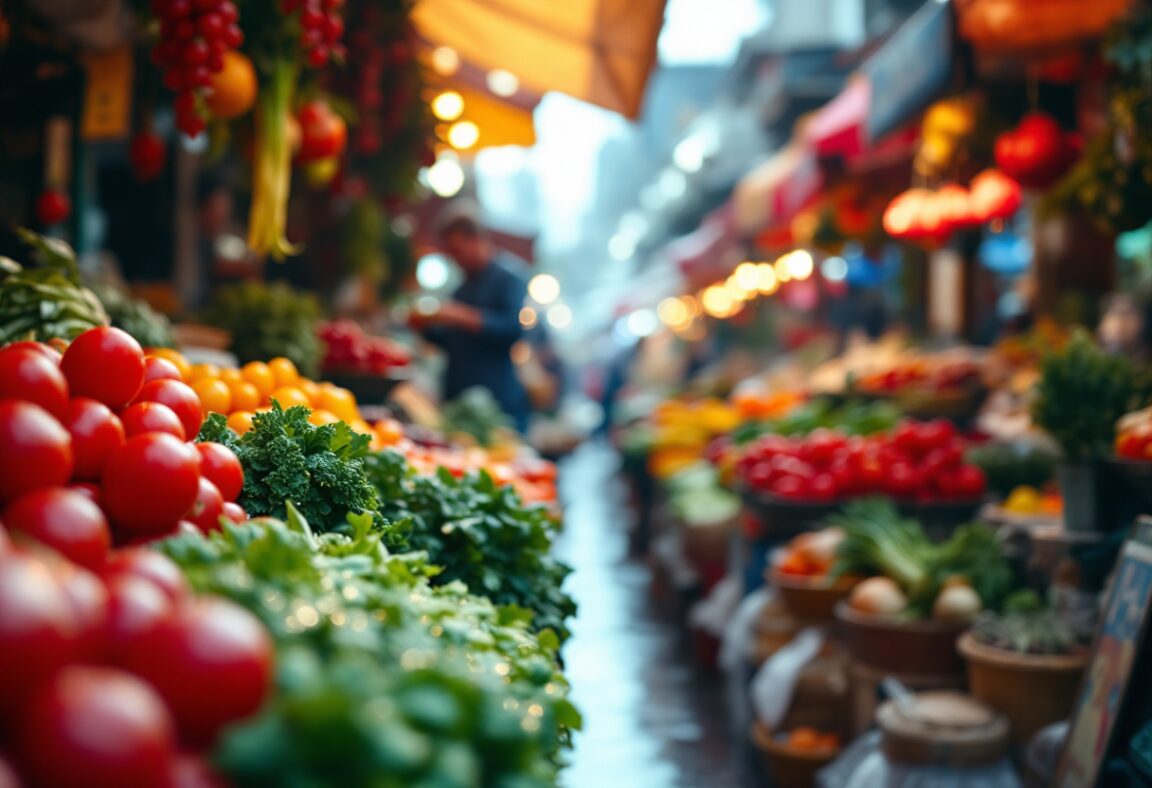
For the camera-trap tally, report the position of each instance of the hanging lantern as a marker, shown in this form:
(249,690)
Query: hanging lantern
(994,196)
(1014,25)
(955,203)
(902,217)
(1036,153)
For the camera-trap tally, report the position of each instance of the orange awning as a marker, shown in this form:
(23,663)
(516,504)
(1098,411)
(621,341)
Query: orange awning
(600,51)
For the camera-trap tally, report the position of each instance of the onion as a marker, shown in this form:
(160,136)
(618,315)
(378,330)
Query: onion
(957,601)
(878,596)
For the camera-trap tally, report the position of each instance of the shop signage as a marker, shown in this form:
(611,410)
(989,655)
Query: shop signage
(911,68)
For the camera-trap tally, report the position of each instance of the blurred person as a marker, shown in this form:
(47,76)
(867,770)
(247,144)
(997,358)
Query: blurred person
(478,327)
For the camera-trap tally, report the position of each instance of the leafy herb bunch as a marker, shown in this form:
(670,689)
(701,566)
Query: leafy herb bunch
(480,534)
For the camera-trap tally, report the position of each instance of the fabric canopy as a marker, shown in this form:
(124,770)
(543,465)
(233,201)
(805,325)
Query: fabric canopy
(600,51)
(500,122)
(778,189)
(839,128)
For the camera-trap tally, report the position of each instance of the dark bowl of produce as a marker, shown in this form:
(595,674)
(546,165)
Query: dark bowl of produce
(909,647)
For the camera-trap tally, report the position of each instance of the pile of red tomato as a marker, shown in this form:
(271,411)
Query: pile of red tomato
(120,677)
(918,461)
(94,448)
(349,349)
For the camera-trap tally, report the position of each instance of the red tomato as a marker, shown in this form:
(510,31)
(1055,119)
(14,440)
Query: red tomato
(156,368)
(191,771)
(222,467)
(968,482)
(53,207)
(149,483)
(323,133)
(38,626)
(49,352)
(845,477)
(206,512)
(96,727)
(96,433)
(935,434)
(148,565)
(211,661)
(234,512)
(105,364)
(32,376)
(180,398)
(35,450)
(903,480)
(792,488)
(89,599)
(64,520)
(824,487)
(146,417)
(136,607)
(88,490)
(761,475)
(822,446)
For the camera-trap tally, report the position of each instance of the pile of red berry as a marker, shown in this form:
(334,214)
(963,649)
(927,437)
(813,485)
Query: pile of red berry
(194,35)
(321,29)
(919,461)
(349,349)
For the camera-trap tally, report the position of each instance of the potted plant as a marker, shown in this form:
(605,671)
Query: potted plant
(1027,663)
(1082,394)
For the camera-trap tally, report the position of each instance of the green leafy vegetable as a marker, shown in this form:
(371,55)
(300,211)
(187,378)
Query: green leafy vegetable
(318,469)
(481,534)
(477,413)
(269,320)
(852,418)
(382,680)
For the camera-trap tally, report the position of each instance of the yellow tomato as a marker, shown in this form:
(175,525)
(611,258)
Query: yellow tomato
(176,357)
(284,371)
(240,421)
(361,426)
(339,401)
(311,390)
(259,375)
(245,396)
(290,397)
(202,371)
(231,376)
(322,417)
(214,395)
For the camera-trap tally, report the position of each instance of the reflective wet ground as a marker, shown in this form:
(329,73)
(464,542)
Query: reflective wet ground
(651,720)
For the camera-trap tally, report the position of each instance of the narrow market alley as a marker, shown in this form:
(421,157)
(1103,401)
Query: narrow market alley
(651,720)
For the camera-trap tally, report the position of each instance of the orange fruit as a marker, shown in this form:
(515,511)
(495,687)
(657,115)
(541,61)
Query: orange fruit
(284,371)
(202,371)
(215,397)
(290,397)
(245,396)
(233,88)
(240,421)
(311,390)
(259,375)
(231,375)
(339,401)
(176,357)
(322,417)
(361,426)
(804,738)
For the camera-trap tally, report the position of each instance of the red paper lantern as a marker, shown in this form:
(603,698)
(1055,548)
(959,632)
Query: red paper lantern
(955,203)
(994,196)
(902,216)
(1036,153)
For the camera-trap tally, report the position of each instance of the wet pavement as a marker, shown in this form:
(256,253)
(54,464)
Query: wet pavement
(651,719)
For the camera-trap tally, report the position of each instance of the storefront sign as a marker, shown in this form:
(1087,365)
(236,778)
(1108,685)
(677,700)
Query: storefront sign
(911,68)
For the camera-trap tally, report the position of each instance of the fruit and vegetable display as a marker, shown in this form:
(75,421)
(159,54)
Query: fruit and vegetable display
(349,349)
(1083,393)
(678,431)
(1028,625)
(804,738)
(811,554)
(909,576)
(1010,466)
(922,375)
(267,321)
(850,418)
(475,415)
(918,461)
(698,498)
(1134,435)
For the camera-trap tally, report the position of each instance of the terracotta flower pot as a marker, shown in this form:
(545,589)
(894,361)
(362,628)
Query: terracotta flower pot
(1032,690)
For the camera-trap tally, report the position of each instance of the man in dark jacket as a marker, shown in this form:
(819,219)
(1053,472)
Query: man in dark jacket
(481,323)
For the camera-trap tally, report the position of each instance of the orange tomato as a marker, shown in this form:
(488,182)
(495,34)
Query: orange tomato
(311,390)
(259,375)
(290,397)
(322,417)
(245,396)
(339,401)
(202,371)
(284,371)
(804,738)
(215,397)
(389,431)
(233,87)
(240,421)
(176,357)
(231,375)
